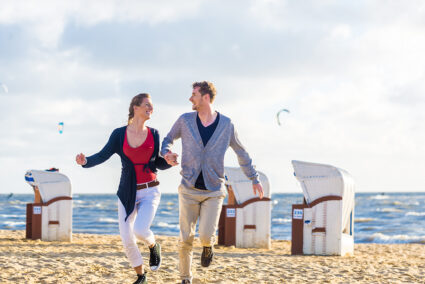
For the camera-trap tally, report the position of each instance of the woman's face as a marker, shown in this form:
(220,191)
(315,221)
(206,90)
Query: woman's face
(145,109)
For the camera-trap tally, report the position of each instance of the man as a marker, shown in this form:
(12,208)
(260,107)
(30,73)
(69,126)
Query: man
(206,135)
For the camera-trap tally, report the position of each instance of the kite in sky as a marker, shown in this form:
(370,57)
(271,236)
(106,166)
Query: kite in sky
(278,115)
(60,127)
(4,87)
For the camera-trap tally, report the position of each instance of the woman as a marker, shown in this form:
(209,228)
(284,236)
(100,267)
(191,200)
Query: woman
(138,191)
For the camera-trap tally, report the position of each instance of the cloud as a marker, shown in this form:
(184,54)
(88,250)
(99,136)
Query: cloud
(351,74)
(409,95)
(269,13)
(340,32)
(46,20)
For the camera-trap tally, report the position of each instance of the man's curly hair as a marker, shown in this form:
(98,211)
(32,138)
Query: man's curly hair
(206,87)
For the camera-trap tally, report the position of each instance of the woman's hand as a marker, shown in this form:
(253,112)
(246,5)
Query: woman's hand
(171,158)
(81,159)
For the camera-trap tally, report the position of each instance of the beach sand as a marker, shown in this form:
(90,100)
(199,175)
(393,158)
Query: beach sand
(100,259)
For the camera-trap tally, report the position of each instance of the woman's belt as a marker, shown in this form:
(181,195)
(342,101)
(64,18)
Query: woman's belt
(147,184)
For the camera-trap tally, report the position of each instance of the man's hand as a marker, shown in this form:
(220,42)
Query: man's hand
(81,159)
(171,158)
(258,188)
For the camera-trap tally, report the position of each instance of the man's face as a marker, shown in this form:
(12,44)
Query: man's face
(196,98)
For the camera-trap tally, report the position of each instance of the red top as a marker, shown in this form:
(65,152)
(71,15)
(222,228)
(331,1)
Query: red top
(140,157)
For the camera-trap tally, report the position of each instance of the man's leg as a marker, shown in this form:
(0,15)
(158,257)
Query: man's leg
(208,219)
(188,215)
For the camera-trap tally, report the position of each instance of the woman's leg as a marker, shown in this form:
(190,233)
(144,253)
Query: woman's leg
(146,210)
(128,240)
(145,213)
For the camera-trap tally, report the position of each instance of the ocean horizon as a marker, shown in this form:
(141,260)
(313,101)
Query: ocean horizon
(395,217)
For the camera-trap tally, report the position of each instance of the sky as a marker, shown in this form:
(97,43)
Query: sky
(351,73)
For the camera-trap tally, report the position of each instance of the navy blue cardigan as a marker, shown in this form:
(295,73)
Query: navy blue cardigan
(127,188)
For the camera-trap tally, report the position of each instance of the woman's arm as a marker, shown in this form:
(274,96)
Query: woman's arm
(108,150)
(161,163)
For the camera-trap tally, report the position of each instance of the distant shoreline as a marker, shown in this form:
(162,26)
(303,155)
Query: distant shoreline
(379,218)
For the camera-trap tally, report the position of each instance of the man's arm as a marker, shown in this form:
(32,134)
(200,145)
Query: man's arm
(175,133)
(245,162)
(160,162)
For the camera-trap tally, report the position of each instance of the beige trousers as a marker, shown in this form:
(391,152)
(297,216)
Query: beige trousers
(193,204)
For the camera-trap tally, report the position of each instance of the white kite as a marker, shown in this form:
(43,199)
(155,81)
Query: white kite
(6,90)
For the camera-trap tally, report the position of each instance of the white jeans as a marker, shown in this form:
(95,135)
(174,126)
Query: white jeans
(138,223)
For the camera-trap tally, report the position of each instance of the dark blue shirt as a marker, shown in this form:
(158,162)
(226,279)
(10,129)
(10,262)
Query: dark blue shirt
(206,133)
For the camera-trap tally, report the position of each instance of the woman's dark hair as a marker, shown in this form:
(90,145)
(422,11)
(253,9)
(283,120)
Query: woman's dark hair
(136,101)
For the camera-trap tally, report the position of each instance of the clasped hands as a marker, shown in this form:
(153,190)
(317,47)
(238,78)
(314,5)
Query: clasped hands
(171,158)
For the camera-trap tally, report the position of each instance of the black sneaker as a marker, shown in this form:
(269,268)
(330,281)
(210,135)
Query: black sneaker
(141,279)
(155,257)
(207,256)
(185,281)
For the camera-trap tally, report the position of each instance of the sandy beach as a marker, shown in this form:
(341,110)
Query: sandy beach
(99,259)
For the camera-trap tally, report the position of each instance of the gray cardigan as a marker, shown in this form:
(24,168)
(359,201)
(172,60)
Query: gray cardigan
(209,159)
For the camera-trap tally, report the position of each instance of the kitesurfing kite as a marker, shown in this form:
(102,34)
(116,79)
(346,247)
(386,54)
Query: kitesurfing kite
(60,127)
(278,115)
(4,87)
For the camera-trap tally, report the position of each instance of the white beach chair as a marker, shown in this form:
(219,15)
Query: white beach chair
(49,218)
(245,220)
(324,225)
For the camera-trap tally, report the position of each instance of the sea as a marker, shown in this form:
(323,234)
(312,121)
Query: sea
(389,218)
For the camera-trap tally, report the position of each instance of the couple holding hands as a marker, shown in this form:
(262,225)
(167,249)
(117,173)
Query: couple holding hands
(206,134)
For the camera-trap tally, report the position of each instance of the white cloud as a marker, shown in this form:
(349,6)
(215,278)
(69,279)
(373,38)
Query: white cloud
(352,79)
(46,19)
(269,13)
(340,32)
